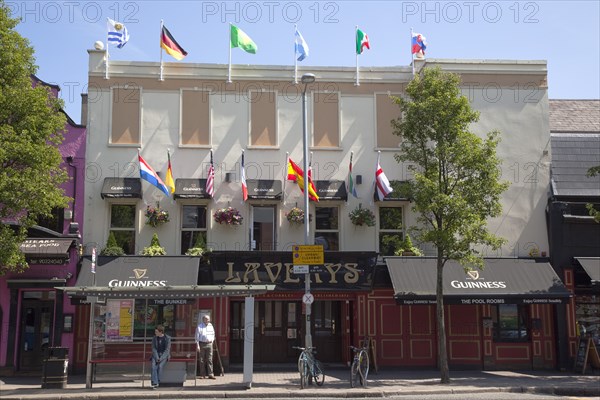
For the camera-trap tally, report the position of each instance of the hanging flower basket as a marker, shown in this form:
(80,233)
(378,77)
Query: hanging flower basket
(228,216)
(362,216)
(296,216)
(156,216)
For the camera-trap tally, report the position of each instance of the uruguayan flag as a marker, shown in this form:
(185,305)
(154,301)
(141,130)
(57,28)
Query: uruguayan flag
(117,33)
(301,46)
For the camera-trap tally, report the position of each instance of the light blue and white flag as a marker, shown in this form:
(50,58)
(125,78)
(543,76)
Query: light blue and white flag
(117,33)
(301,46)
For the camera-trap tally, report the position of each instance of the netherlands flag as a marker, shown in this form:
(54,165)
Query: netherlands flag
(149,175)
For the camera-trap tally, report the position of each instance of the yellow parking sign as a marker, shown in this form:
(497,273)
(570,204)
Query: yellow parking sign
(308,255)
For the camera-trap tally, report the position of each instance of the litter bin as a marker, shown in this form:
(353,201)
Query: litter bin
(56,363)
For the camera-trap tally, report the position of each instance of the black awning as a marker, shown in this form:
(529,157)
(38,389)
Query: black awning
(190,189)
(122,188)
(591,265)
(266,189)
(151,277)
(331,190)
(47,247)
(502,281)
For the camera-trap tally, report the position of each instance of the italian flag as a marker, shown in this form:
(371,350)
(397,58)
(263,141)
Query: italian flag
(362,41)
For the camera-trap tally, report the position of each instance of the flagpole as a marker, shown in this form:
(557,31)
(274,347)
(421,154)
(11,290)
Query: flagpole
(106,61)
(161,52)
(350,177)
(356,51)
(412,56)
(295,58)
(229,45)
(285,171)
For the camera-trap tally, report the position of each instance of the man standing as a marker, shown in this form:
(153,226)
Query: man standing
(161,352)
(205,336)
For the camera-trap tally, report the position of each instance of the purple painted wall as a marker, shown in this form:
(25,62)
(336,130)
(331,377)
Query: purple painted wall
(73,152)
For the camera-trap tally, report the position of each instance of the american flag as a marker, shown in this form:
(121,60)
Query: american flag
(210,179)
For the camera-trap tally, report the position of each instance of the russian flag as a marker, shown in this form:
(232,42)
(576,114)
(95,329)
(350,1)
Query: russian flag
(419,43)
(150,176)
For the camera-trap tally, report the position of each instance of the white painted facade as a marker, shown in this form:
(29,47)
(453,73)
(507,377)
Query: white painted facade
(518,109)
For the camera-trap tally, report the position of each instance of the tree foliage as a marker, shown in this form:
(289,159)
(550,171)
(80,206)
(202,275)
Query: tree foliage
(31,128)
(456,185)
(593,171)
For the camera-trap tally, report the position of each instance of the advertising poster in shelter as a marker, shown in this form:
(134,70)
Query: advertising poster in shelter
(119,320)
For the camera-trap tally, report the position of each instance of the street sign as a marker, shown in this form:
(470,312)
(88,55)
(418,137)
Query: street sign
(300,269)
(308,298)
(308,254)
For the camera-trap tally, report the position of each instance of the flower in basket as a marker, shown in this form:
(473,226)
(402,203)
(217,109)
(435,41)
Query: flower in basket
(362,216)
(295,216)
(228,216)
(156,216)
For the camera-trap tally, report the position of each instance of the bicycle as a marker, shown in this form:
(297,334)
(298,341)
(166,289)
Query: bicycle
(360,366)
(309,367)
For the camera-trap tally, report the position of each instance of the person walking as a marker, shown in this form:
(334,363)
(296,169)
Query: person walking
(205,336)
(161,352)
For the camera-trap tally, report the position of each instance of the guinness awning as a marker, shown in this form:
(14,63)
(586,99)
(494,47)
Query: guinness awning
(150,277)
(190,189)
(399,192)
(259,189)
(591,265)
(47,251)
(331,190)
(502,281)
(122,188)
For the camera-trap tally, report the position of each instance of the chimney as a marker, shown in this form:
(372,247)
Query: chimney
(84,108)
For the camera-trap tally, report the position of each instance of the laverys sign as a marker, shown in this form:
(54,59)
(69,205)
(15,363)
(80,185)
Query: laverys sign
(341,270)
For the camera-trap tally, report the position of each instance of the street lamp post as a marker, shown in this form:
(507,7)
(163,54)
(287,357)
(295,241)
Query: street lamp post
(306,79)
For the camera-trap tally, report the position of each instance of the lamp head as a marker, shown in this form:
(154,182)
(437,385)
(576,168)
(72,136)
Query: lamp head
(308,78)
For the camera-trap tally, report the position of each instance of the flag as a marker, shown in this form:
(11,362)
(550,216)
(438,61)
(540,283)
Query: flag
(210,178)
(301,46)
(117,33)
(168,42)
(238,38)
(243,178)
(294,169)
(381,182)
(362,41)
(419,43)
(169,179)
(93,260)
(150,176)
(351,187)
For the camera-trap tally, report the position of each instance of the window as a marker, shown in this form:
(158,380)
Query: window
(54,222)
(122,225)
(125,117)
(193,224)
(263,228)
(195,117)
(390,229)
(327,227)
(326,114)
(387,110)
(510,323)
(263,118)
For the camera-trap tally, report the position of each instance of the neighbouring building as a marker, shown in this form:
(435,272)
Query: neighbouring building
(34,314)
(502,317)
(574,235)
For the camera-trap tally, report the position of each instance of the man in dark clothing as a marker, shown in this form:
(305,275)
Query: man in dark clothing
(161,352)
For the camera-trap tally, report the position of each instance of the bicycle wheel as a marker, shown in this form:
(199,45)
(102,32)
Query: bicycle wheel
(363,367)
(318,373)
(303,369)
(354,372)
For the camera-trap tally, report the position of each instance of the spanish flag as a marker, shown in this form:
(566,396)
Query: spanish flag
(169,179)
(295,173)
(168,42)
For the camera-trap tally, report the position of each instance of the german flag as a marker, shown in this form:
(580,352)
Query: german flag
(168,42)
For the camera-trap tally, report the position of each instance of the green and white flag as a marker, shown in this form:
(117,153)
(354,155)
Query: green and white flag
(238,38)
(362,41)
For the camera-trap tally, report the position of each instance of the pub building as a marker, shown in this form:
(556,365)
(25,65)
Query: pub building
(509,315)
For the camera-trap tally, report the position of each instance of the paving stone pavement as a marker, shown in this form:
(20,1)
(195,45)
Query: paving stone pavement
(286,384)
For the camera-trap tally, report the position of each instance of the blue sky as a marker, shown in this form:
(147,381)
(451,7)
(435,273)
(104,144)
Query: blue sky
(565,33)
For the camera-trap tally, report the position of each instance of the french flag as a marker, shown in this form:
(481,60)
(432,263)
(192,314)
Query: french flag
(150,176)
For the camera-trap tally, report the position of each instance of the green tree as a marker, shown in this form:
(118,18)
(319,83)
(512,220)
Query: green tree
(456,185)
(590,207)
(31,127)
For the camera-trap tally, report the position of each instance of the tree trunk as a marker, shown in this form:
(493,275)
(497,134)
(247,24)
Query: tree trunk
(441,326)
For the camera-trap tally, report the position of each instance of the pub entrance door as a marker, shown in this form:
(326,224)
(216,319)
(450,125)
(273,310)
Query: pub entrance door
(279,325)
